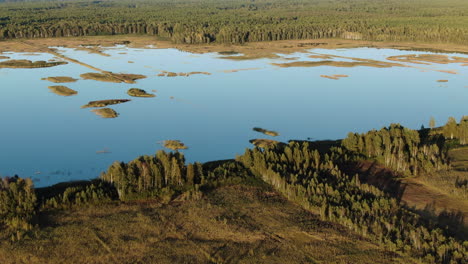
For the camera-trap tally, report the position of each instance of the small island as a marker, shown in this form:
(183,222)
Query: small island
(105,112)
(112,77)
(266,132)
(135,92)
(62,90)
(334,77)
(27,64)
(60,79)
(265,143)
(174,144)
(103,103)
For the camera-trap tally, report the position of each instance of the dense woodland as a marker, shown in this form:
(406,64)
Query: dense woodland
(298,170)
(400,149)
(240,21)
(316,182)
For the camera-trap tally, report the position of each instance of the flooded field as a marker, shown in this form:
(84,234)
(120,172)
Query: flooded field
(211,103)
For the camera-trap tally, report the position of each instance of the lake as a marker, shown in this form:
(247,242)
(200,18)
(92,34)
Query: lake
(51,139)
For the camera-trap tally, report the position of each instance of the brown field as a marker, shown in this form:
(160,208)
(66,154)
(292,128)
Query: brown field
(238,223)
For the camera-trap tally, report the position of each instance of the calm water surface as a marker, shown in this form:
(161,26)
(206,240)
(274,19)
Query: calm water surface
(49,138)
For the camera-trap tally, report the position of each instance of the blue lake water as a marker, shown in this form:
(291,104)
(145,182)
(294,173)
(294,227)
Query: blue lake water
(51,139)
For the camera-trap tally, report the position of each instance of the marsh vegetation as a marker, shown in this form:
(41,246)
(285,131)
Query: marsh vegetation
(103,103)
(27,64)
(62,90)
(334,76)
(105,112)
(266,132)
(250,199)
(112,77)
(174,144)
(139,93)
(60,79)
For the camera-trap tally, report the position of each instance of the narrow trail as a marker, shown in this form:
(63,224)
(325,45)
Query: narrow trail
(53,52)
(385,63)
(420,196)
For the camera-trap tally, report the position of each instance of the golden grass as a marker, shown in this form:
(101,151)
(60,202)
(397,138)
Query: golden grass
(184,74)
(232,224)
(345,64)
(27,64)
(105,112)
(62,90)
(258,49)
(334,77)
(139,93)
(323,57)
(428,59)
(448,71)
(174,144)
(266,132)
(103,103)
(265,143)
(60,79)
(442,81)
(112,77)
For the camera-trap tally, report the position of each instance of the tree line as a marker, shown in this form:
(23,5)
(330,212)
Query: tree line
(240,21)
(297,170)
(315,181)
(17,206)
(401,149)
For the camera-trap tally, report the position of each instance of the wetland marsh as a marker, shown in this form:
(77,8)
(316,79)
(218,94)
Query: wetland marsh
(212,105)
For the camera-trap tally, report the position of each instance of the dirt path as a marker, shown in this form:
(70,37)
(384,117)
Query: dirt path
(411,191)
(45,49)
(419,195)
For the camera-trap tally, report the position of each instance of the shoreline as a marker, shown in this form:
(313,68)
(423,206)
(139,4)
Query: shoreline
(251,50)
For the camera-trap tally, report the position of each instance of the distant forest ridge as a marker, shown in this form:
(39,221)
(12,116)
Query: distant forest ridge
(240,21)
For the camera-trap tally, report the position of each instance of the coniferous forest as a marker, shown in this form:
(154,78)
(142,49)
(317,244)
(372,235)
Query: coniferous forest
(388,195)
(240,21)
(312,175)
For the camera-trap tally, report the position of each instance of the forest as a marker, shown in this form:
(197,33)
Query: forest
(309,174)
(240,21)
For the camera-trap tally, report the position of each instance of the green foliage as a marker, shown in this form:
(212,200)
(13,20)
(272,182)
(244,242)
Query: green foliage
(17,206)
(148,176)
(92,193)
(454,130)
(240,21)
(400,149)
(315,182)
